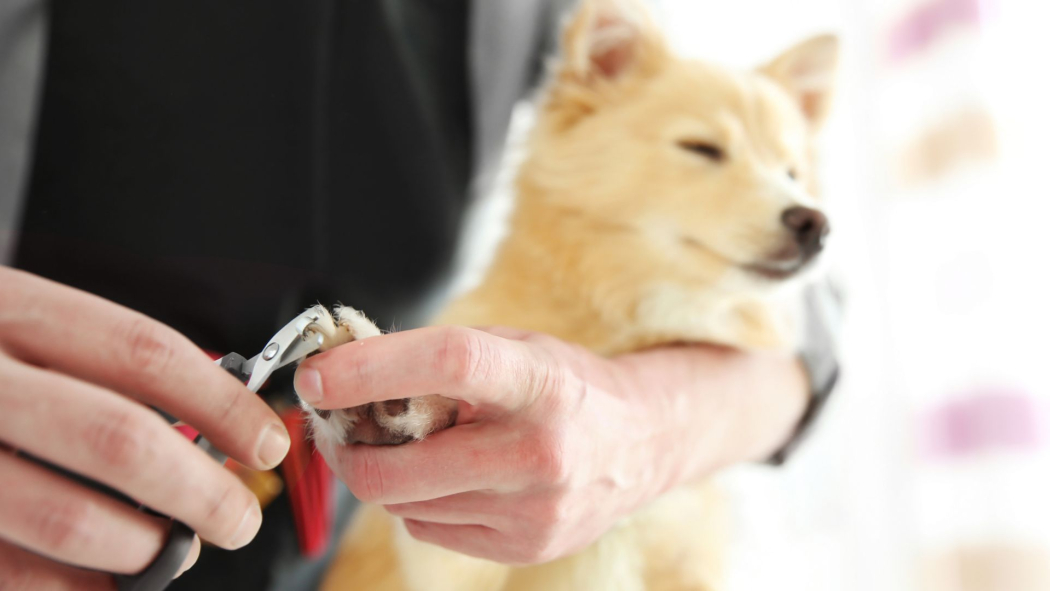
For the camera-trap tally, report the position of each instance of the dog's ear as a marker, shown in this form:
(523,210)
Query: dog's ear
(610,39)
(606,47)
(807,72)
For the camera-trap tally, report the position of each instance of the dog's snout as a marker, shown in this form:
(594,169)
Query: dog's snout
(809,227)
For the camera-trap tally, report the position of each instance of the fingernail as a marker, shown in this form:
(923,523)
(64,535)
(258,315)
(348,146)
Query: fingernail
(191,557)
(250,524)
(273,445)
(308,385)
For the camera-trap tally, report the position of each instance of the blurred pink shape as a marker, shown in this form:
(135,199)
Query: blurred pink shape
(982,420)
(923,25)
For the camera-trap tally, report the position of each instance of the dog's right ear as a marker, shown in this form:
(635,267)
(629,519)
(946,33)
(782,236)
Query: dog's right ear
(606,47)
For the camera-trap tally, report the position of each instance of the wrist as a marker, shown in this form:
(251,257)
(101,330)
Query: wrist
(685,429)
(711,407)
(764,397)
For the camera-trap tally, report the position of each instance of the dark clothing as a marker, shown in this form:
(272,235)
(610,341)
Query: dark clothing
(214,164)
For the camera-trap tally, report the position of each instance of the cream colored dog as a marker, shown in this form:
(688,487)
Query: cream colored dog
(662,201)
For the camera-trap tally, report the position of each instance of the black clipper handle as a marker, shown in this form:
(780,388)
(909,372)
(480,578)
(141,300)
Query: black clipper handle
(159,574)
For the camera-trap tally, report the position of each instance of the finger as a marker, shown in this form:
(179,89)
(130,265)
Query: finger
(462,363)
(54,326)
(62,520)
(124,445)
(471,508)
(473,540)
(475,457)
(21,570)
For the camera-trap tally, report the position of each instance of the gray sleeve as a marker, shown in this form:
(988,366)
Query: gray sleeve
(22,38)
(819,356)
(510,41)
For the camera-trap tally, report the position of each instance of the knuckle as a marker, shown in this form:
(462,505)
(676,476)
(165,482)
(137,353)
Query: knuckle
(121,440)
(149,350)
(225,509)
(547,459)
(462,354)
(234,409)
(366,475)
(551,378)
(548,521)
(64,529)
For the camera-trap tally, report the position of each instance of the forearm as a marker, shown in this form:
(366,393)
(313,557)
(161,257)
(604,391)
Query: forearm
(715,407)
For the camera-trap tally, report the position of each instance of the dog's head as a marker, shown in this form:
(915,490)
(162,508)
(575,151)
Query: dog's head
(710,169)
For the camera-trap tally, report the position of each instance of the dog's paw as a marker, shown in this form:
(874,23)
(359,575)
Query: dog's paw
(387,423)
(381,423)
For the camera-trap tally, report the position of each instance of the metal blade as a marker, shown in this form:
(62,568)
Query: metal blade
(293,342)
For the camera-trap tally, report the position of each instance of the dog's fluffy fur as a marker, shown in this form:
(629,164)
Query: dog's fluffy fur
(649,211)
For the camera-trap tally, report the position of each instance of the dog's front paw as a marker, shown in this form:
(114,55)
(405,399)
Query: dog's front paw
(380,423)
(388,423)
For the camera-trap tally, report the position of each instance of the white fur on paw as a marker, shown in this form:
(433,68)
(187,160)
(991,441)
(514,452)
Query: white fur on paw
(332,428)
(423,416)
(381,423)
(346,326)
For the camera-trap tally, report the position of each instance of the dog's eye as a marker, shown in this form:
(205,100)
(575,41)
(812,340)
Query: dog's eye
(706,149)
(793,174)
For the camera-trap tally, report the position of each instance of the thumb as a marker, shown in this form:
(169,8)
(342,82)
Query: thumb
(475,366)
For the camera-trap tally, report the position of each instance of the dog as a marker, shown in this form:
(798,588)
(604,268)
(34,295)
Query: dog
(662,200)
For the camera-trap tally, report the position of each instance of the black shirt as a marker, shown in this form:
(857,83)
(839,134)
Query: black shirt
(220,165)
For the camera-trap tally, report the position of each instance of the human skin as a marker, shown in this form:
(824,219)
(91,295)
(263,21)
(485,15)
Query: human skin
(553,444)
(76,375)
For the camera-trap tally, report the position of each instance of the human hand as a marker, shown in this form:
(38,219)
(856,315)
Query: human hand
(551,447)
(76,374)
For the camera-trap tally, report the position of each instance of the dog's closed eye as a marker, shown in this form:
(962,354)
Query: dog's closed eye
(703,148)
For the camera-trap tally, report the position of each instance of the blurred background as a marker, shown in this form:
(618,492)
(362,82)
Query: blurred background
(930,470)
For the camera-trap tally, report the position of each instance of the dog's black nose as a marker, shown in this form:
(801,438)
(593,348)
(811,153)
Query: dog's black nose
(809,227)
